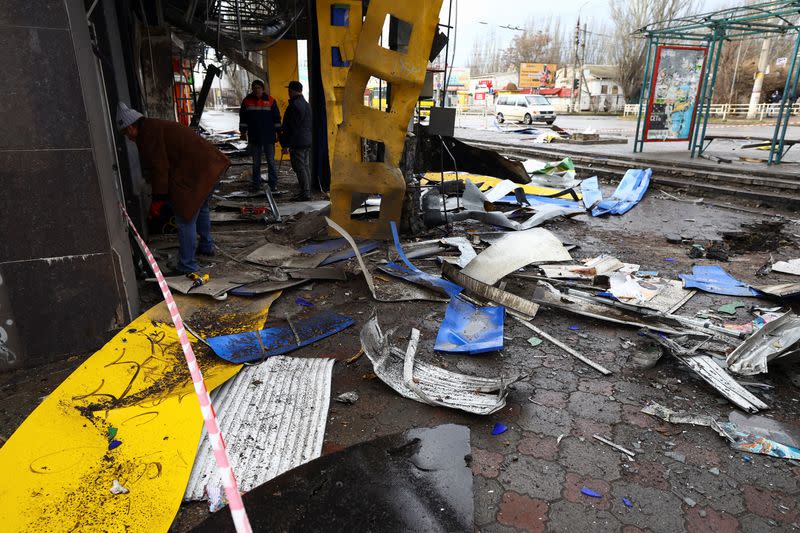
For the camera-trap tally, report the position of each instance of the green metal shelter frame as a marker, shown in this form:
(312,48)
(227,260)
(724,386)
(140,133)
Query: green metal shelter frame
(711,30)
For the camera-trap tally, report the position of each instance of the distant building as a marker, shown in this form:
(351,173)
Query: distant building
(599,89)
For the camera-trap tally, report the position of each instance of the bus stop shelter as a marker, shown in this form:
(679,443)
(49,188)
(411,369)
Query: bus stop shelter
(681,67)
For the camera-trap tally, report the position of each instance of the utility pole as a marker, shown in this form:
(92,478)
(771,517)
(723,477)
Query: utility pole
(582,78)
(575,62)
(755,97)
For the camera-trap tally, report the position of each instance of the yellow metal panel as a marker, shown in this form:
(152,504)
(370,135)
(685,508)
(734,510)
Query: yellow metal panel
(406,72)
(57,468)
(487,182)
(334,78)
(281,66)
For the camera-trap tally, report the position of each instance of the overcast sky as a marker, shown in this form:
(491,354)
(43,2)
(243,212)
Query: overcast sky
(515,13)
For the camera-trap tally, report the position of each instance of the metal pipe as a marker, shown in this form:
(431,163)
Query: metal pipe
(645,89)
(783,121)
(719,34)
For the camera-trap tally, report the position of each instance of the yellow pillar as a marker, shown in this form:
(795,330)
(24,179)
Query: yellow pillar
(339,24)
(281,67)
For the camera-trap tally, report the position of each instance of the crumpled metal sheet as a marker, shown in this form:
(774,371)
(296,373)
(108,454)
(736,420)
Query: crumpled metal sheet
(426,383)
(630,192)
(514,251)
(739,438)
(465,249)
(473,201)
(781,290)
(513,302)
(714,279)
(770,342)
(256,345)
(705,367)
(273,416)
(468,328)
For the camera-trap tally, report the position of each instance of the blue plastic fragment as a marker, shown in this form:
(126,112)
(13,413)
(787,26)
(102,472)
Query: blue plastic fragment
(329,245)
(629,192)
(414,274)
(534,199)
(303,302)
(468,328)
(747,458)
(715,280)
(246,347)
(589,492)
(574,328)
(114,444)
(670,259)
(627,502)
(499,429)
(590,190)
(646,274)
(363,247)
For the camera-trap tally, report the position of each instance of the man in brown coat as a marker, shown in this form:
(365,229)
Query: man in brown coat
(182,168)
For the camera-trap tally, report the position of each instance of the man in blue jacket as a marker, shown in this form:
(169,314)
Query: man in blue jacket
(259,124)
(296,136)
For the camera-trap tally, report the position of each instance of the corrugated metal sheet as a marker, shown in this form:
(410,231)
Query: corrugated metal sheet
(272,416)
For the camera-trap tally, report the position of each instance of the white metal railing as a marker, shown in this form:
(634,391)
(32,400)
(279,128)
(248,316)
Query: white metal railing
(725,111)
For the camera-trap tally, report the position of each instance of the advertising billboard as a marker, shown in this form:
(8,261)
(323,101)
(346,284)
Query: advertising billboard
(537,75)
(674,93)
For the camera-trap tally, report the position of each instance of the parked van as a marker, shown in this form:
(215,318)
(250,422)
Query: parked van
(525,108)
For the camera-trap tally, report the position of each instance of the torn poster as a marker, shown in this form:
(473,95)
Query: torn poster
(739,440)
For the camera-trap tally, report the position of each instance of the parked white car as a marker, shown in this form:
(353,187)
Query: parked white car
(525,108)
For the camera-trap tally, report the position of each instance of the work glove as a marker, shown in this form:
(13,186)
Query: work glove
(158,203)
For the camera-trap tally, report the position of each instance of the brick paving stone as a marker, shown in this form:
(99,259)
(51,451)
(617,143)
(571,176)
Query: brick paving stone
(546,420)
(535,477)
(520,511)
(710,521)
(585,428)
(721,492)
(594,407)
(654,509)
(575,517)
(485,463)
(559,362)
(481,437)
(755,524)
(637,392)
(632,414)
(699,455)
(597,386)
(634,529)
(550,398)
(592,459)
(647,473)
(774,505)
(761,471)
(487,499)
(539,446)
(546,378)
(573,484)
(499,528)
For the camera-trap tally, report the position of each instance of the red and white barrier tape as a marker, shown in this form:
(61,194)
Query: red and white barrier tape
(235,503)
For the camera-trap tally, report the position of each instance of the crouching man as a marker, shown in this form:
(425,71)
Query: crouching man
(182,168)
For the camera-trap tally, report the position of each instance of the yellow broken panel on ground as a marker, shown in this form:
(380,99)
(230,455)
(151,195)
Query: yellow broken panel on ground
(487,182)
(57,467)
(404,69)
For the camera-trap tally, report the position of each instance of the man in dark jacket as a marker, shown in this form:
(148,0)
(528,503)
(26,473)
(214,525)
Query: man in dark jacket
(259,123)
(296,136)
(182,168)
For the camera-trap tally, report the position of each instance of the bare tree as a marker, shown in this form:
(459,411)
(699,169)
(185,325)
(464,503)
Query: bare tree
(486,56)
(543,41)
(628,50)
